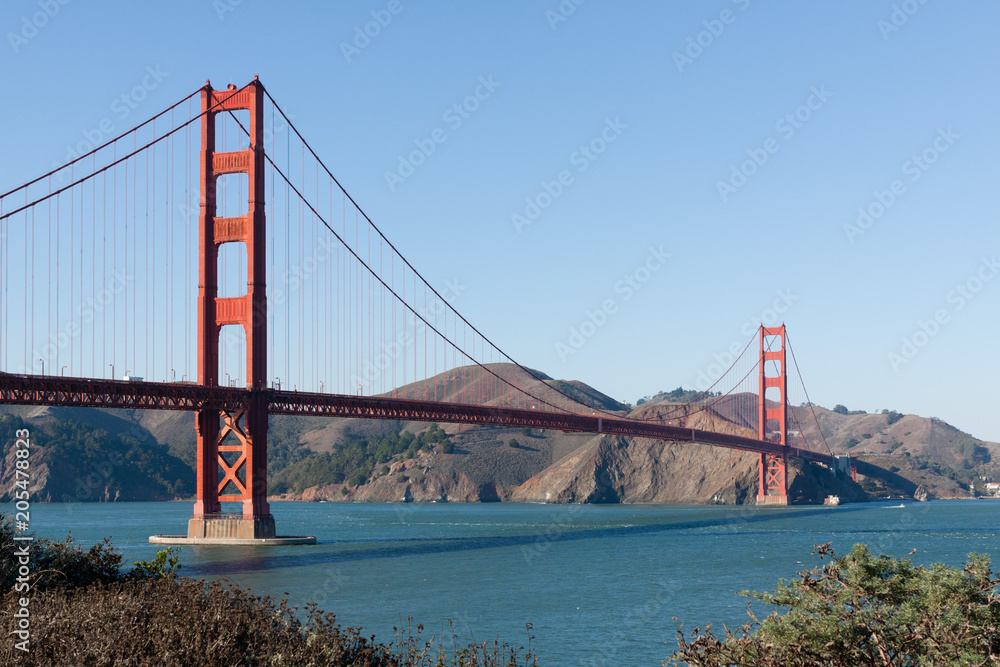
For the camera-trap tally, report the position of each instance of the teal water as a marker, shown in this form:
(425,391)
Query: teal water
(601,584)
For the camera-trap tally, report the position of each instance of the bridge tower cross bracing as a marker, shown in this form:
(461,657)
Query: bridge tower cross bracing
(773,486)
(235,441)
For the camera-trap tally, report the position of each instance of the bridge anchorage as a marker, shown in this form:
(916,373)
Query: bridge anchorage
(373,339)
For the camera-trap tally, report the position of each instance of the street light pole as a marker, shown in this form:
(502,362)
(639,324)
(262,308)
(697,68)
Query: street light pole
(43,365)
(112,371)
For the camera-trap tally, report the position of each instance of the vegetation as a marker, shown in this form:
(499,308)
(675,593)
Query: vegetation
(86,611)
(971,455)
(893,417)
(283,451)
(355,459)
(863,609)
(89,463)
(679,395)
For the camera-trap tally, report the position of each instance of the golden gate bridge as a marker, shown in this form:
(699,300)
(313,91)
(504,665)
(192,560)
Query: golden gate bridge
(302,306)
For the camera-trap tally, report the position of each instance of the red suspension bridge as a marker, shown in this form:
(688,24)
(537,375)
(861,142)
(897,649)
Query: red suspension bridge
(316,313)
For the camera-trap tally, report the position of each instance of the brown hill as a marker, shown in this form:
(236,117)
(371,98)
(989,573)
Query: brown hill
(471,385)
(915,451)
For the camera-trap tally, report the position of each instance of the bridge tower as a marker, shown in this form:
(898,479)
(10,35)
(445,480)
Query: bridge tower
(233,442)
(773,487)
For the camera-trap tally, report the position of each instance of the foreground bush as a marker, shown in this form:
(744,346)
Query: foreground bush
(177,621)
(862,609)
(180,622)
(57,564)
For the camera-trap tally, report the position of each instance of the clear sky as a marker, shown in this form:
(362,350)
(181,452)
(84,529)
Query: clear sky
(743,139)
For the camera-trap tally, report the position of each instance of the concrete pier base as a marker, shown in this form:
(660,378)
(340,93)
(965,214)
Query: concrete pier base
(772,500)
(232,530)
(183,540)
(231,527)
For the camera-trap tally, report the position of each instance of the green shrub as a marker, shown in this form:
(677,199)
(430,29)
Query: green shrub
(165,565)
(862,609)
(891,417)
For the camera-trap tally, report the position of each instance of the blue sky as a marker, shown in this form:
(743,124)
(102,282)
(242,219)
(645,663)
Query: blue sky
(692,107)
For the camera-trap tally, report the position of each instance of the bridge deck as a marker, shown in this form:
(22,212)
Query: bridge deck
(78,392)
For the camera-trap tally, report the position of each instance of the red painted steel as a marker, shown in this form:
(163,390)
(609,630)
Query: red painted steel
(772,468)
(247,426)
